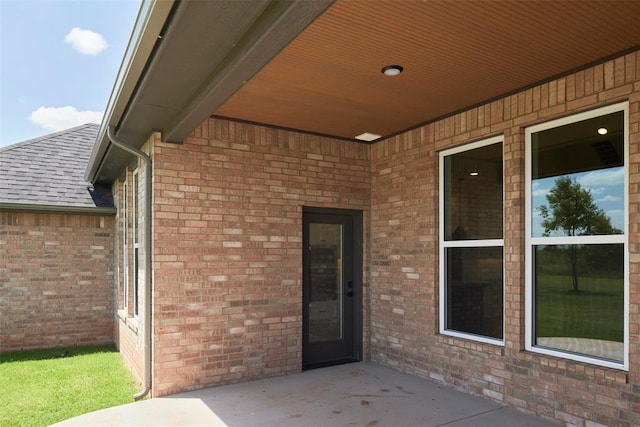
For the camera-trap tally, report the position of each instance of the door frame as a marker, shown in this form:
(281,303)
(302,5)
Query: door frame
(357,251)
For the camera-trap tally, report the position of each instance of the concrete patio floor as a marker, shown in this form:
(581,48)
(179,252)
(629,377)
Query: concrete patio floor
(357,394)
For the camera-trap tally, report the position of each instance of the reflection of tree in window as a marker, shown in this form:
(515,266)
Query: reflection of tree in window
(577,205)
(572,211)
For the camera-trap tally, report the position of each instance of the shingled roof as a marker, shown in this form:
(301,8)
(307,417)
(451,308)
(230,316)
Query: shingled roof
(47,173)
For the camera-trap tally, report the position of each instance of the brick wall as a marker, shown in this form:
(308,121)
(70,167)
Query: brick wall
(227,253)
(56,280)
(228,247)
(404,258)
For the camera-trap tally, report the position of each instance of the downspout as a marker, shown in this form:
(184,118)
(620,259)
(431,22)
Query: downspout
(148,187)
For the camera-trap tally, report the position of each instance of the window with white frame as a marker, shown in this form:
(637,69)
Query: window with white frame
(125,252)
(471,241)
(136,242)
(576,249)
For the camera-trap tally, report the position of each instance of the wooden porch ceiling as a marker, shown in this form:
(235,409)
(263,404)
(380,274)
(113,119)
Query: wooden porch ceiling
(455,54)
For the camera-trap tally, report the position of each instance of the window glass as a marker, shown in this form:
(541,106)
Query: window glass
(471,256)
(577,178)
(473,194)
(579,293)
(136,265)
(125,253)
(576,248)
(326,319)
(474,290)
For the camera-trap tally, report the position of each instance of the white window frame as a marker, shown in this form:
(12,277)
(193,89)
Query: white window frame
(125,252)
(136,241)
(531,241)
(444,244)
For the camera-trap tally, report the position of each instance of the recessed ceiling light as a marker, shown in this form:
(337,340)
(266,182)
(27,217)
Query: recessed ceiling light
(474,173)
(392,70)
(367,136)
(603,131)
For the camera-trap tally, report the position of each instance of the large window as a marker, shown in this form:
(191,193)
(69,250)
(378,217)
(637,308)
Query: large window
(471,242)
(576,265)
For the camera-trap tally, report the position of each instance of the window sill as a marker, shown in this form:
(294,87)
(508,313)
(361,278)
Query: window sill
(133,327)
(496,349)
(576,369)
(129,320)
(568,358)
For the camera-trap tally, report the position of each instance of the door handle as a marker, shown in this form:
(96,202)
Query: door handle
(350,288)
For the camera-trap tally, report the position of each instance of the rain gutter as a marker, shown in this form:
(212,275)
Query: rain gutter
(80,210)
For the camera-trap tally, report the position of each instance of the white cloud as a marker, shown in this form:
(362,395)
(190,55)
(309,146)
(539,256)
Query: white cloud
(86,42)
(60,118)
(540,192)
(609,198)
(541,187)
(603,177)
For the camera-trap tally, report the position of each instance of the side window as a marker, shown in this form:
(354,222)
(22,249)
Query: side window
(136,240)
(471,241)
(125,244)
(576,262)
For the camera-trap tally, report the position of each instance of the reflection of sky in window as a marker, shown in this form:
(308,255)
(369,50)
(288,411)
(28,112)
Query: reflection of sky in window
(607,190)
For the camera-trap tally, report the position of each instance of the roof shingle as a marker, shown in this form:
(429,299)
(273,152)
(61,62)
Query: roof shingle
(49,171)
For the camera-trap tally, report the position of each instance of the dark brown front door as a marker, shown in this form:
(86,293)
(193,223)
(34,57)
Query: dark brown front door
(332,287)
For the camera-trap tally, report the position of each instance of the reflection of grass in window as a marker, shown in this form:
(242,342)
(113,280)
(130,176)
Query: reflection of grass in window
(596,311)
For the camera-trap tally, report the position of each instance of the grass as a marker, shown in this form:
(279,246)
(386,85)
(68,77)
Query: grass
(41,387)
(595,311)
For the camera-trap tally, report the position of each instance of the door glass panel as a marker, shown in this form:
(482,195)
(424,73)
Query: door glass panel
(325,282)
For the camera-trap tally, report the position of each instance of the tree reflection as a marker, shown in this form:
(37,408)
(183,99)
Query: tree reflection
(573,212)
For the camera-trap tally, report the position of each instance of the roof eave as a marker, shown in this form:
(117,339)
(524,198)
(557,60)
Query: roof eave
(223,45)
(147,31)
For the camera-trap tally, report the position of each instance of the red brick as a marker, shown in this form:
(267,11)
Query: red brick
(56,275)
(239,289)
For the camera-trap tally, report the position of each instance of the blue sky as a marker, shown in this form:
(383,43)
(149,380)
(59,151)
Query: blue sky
(58,62)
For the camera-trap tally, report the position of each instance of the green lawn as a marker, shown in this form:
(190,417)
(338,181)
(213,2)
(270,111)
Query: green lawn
(596,311)
(41,387)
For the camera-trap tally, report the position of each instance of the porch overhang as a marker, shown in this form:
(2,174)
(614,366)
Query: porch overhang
(315,65)
(186,58)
